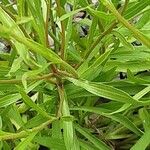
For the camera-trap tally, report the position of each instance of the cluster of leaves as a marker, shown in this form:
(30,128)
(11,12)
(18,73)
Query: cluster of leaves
(72,83)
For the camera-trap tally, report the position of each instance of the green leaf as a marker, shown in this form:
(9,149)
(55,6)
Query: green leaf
(12,98)
(143,20)
(68,132)
(117,117)
(10,24)
(143,142)
(1,124)
(137,7)
(34,122)
(134,66)
(100,14)
(15,117)
(65,16)
(38,21)
(56,130)
(143,92)
(96,67)
(136,33)
(24,144)
(15,66)
(87,146)
(145,117)
(105,91)
(97,142)
(50,142)
(30,103)
(68,35)
(68,128)
(31,74)
(45,52)
(123,40)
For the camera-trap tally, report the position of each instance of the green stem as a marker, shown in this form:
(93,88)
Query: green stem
(22,134)
(19,81)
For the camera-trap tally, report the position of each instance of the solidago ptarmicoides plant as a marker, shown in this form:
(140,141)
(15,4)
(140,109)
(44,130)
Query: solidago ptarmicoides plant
(76,76)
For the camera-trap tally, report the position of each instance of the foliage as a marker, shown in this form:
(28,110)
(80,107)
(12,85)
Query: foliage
(72,82)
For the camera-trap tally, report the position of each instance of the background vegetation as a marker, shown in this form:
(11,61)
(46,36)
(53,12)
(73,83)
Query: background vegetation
(74,75)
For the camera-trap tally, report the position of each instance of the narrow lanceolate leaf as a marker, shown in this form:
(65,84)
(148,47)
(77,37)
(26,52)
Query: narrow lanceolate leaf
(65,16)
(142,93)
(95,67)
(121,109)
(100,14)
(97,142)
(68,133)
(136,8)
(145,117)
(24,144)
(52,143)
(137,34)
(116,117)
(14,115)
(123,40)
(38,48)
(32,73)
(30,103)
(12,98)
(105,91)
(38,21)
(47,53)
(10,24)
(87,145)
(143,142)
(68,35)
(15,66)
